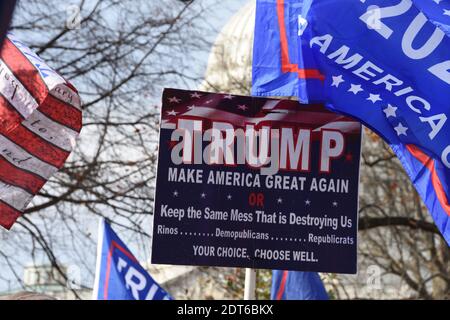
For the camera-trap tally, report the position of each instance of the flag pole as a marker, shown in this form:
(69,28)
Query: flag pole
(250,284)
(100,236)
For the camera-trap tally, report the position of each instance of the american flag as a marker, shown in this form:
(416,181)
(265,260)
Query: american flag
(40,120)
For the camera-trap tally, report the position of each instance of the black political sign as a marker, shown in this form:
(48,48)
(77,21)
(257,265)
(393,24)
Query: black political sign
(255,182)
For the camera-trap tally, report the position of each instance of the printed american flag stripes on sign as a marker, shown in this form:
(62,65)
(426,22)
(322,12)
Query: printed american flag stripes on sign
(242,110)
(40,119)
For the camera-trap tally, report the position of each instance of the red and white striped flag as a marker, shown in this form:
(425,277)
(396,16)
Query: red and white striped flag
(40,120)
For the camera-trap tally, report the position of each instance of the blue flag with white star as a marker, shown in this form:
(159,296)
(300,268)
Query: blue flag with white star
(385,63)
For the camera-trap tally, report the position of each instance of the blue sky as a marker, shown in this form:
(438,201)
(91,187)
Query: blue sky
(220,14)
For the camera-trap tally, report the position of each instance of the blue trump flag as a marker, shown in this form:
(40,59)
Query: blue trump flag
(438,11)
(296,285)
(119,276)
(387,65)
(278,62)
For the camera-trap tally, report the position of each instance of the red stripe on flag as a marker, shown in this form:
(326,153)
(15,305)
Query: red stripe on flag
(8,215)
(113,245)
(10,127)
(37,146)
(286,65)
(24,70)
(62,113)
(282,286)
(12,175)
(9,117)
(435,180)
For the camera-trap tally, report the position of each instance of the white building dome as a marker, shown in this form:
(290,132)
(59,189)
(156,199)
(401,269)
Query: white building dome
(230,62)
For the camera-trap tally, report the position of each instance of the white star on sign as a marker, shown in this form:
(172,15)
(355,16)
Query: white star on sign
(447,12)
(335,204)
(229,197)
(401,129)
(390,111)
(172,113)
(196,95)
(355,88)
(337,80)
(242,107)
(228,96)
(280,200)
(174,100)
(175,193)
(307,202)
(374,98)
(203,195)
